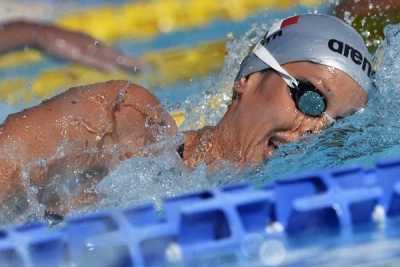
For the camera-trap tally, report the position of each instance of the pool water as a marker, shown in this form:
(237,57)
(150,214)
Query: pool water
(369,247)
(359,139)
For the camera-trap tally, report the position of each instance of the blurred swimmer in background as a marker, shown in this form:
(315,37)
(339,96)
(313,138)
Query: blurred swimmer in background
(296,81)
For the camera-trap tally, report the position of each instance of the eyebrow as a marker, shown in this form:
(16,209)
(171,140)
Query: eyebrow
(324,85)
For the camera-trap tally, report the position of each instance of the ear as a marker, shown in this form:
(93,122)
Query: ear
(240,86)
(248,84)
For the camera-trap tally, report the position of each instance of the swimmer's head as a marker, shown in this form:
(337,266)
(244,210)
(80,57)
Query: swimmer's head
(319,39)
(306,72)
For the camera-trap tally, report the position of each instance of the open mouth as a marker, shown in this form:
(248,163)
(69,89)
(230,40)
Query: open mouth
(272,144)
(269,149)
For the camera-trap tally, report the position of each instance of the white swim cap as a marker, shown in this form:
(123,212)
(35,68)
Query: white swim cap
(320,39)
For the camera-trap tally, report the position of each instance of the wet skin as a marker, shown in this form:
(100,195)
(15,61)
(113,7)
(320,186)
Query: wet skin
(86,131)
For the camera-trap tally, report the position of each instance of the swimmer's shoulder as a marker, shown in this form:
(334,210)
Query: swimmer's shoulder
(136,96)
(132,95)
(108,91)
(113,89)
(134,92)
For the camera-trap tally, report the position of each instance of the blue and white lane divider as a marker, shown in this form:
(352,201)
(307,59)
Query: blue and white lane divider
(211,221)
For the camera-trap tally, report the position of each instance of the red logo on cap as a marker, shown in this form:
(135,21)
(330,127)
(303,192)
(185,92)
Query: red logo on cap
(290,21)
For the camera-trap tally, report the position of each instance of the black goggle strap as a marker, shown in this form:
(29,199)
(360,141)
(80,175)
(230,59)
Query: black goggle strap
(263,54)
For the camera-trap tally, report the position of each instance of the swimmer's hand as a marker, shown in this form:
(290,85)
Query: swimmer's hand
(70,45)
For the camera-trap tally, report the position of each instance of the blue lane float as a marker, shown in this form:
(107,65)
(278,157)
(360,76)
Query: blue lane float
(210,222)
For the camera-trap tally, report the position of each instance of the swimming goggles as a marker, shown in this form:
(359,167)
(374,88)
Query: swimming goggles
(307,98)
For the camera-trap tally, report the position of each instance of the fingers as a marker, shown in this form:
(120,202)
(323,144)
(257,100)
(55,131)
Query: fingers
(128,63)
(111,58)
(109,64)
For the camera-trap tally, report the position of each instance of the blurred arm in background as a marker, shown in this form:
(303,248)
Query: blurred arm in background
(70,45)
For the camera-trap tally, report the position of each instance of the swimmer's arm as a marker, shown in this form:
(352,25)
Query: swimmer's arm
(65,44)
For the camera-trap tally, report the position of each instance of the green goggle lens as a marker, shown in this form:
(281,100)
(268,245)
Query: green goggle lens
(308,99)
(311,103)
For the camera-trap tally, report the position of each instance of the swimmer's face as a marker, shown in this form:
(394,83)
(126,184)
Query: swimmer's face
(267,113)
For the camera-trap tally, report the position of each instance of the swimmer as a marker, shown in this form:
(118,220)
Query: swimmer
(306,72)
(61,43)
